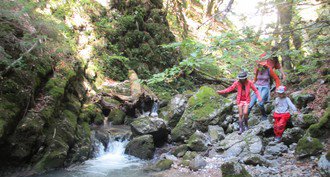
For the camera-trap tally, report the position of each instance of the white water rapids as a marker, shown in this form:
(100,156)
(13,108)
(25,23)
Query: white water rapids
(110,163)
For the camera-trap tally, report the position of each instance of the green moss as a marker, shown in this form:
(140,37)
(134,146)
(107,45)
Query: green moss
(321,129)
(203,103)
(2,127)
(309,119)
(234,169)
(71,117)
(55,87)
(117,116)
(163,165)
(308,146)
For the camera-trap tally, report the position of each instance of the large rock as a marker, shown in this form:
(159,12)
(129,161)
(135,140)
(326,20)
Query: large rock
(292,135)
(304,121)
(198,141)
(180,151)
(324,165)
(308,146)
(142,147)
(162,165)
(152,126)
(274,149)
(255,159)
(117,117)
(233,169)
(216,133)
(197,163)
(174,110)
(301,99)
(240,145)
(322,128)
(203,108)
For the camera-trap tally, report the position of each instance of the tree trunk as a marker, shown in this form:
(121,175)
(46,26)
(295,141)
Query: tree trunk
(209,7)
(284,8)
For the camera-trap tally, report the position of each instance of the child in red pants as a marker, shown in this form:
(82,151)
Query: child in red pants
(281,115)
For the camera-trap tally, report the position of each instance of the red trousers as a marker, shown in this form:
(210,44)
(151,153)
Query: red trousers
(280,123)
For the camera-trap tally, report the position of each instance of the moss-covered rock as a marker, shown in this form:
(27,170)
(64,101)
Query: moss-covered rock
(117,116)
(180,151)
(233,169)
(204,108)
(301,99)
(91,113)
(142,147)
(322,128)
(308,146)
(162,165)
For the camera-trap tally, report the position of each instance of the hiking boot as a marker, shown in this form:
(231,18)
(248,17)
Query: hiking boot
(263,113)
(246,122)
(241,128)
(277,139)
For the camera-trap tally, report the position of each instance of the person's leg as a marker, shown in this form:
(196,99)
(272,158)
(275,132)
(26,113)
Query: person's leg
(246,116)
(264,96)
(252,102)
(240,116)
(276,127)
(282,123)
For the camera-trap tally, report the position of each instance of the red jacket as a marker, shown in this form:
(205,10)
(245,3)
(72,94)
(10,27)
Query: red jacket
(271,73)
(238,85)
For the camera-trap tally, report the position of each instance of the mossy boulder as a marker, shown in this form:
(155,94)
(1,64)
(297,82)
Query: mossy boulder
(301,99)
(180,151)
(308,146)
(117,117)
(162,165)
(292,135)
(204,107)
(142,147)
(322,128)
(304,121)
(198,141)
(91,113)
(233,169)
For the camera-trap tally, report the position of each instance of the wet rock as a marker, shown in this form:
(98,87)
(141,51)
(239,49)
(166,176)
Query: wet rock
(103,136)
(174,110)
(255,159)
(197,163)
(233,169)
(142,147)
(301,99)
(153,126)
(204,107)
(274,149)
(179,151)
(198,141)
(216,133)
(308,146)
(324,166)
(292,135)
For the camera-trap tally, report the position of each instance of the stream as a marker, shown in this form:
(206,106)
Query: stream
(110,163)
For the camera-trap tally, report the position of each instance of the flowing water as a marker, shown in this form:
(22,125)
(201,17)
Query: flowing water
(110,163)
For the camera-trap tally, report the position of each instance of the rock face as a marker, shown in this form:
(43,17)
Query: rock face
(203,108)
(275,149)
(152,126)
(233,169)
(142,147)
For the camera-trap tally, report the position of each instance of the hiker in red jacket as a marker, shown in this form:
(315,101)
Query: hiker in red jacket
(272,61)
(263,75)
(243,86)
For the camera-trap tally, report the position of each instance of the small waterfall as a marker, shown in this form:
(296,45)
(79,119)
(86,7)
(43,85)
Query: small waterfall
(110,161)
(154,109)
